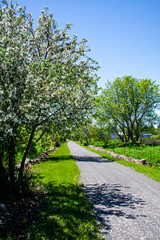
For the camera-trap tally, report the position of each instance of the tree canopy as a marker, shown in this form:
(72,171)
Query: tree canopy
(127,104)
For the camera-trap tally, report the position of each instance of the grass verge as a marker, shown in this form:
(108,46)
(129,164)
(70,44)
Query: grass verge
(151,172)
(58,208)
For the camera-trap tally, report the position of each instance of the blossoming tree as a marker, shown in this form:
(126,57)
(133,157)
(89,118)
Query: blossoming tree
(45,78)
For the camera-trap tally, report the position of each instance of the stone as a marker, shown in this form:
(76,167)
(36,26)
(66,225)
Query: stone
(142,161)
(149,164)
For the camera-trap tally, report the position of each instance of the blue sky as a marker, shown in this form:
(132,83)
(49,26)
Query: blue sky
(124,35)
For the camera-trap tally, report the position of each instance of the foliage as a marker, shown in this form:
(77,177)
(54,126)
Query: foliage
(90,133)
(156,136)
(46,79)
(36,148)
(81,134)
(128,105)
(100,134)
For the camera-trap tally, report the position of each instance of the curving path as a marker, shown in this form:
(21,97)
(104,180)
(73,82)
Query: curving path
(126,202)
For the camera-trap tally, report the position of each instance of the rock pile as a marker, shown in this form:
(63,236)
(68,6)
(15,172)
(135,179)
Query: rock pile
(41,158)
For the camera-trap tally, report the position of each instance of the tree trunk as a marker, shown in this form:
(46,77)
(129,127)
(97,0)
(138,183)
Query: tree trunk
(129,133)
(2,169)
(87,141)
(3,177)
(20,177)
(11,156)
(132,138)
(137,136)
(40,137)
(137,132)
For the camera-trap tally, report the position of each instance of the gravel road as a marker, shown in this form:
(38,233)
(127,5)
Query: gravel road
(126,202)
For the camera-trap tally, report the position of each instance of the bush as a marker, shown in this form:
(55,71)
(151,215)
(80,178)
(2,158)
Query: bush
(155,136)
(154,142)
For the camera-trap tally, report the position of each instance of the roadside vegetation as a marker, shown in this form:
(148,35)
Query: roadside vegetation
(57,208)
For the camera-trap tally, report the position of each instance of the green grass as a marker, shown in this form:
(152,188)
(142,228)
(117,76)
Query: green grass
(151,172)
(150,153)
(66,211)
(60,169)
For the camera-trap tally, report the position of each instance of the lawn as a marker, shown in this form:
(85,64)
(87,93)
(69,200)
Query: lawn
(57,208)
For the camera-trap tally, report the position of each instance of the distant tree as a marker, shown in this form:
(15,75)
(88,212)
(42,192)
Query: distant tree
(100,134)
(89,133)
(46,79)
(127,104)
(82,131)
(82,134)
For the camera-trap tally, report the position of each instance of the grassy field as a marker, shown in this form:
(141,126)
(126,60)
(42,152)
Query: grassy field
(151,172)
(57,207)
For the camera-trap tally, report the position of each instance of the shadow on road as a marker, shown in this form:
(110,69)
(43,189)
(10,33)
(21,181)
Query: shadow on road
(110,200)
(91,159)
(79,159)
